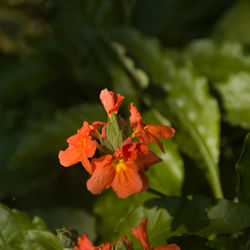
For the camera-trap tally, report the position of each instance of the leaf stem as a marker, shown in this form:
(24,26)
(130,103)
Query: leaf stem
(156,192)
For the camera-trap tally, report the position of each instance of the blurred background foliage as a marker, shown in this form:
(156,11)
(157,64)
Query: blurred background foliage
(184,63)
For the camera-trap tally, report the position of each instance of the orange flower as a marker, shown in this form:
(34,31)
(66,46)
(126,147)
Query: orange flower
(124,171)
(81,146)
(140,234)
(148,133)
(85,244)
(110,103)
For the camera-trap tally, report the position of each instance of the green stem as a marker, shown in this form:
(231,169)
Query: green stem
(156,192)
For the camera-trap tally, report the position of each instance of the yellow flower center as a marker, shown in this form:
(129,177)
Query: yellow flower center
(119,165)
(146,129)
(84,142)
(134,133)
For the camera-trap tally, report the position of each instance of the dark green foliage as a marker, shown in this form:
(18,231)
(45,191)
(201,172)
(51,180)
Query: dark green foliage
(55,58)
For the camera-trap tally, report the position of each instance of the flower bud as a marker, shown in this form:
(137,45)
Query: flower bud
(67,237)
(121,245)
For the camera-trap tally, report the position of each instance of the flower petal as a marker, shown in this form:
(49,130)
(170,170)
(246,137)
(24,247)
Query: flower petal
(168,247)
(70,156)
(103,174)
(86,164)
(131,150)
(97,125)
(84,130)
(160,131)
(109,102)
(75,140)
(105,246)
(145,161)
(90,147)
(140,233)
(85,244)
(118,102)
(135,117)
(127,182)
(147,138)
(107,99)
(144,181)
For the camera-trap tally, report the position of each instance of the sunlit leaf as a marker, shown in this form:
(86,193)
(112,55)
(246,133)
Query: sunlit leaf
(226,66)
(21,232)
(235,94)
(217,61)
(188,104)
(166,176)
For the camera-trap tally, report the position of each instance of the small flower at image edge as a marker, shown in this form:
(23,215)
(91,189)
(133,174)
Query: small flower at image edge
(81,147)
(110,103)
(148,133)
(140,234)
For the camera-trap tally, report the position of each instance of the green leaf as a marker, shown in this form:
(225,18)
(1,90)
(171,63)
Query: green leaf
(19,231)
(107,146)
(188,104)
(115,134)
(110,210)
(51,135)
(243,170)
(174,216)
(235,93)
(195,116)
(224,243)
(167,176)
(233,25)
(226,66)
(128,64)
(216,60)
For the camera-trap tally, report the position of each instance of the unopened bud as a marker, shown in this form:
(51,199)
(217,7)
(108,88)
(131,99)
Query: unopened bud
(67,237)
(121,245)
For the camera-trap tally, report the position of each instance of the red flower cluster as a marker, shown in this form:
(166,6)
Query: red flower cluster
(140,233)
(123,162)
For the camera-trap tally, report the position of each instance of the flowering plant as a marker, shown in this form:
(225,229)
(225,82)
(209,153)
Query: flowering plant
(193,189)
(122,162)
(123,158)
